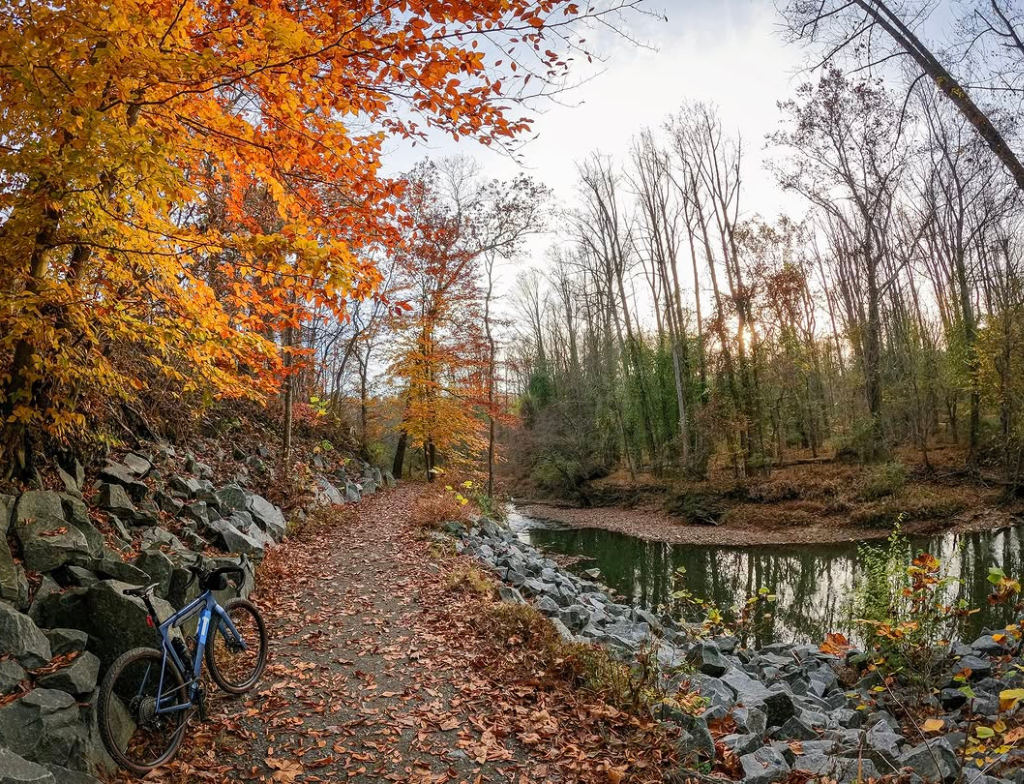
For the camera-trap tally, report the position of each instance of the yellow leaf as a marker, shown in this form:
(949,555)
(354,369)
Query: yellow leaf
(933,725)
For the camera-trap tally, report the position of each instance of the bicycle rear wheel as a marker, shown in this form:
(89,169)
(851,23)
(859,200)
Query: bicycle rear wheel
(233,668)
(135,734)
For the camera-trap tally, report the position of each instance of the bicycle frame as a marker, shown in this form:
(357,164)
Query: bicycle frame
(206,607)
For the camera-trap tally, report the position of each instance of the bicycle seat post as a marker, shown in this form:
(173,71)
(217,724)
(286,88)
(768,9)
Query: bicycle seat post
(147,598)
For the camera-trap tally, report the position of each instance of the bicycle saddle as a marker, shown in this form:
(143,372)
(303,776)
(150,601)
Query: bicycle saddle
(141,590)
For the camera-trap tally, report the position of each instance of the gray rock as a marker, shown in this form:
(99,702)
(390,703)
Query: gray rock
(932,761)
(952,699)
(881,738)
(43,726)
(796,729)
(47,587)
(267,516)
(546,605)
(17,770)
(20,637)
(575,616)
(47,539)
(110,566)
(741,744)
(202,470)
(77,513)
(66,776)
(114,498)
(13,582)
(71,486)
(115,622)
(231,498)
(7,504)
(157,538)
(233,540)
(508,594)
(168,503)
(750,719)
(563,632)
(80,576)
(840,769)
(137,464)
(66,640)
(980,668)
(708,659)
(987,645)
(763,766)
(777,706)
(196,511)
(159,567)
(77,678)
(184,487)
(352,494)
(119,474)
(368,487)
(11,676)
(389,479)
(327,494)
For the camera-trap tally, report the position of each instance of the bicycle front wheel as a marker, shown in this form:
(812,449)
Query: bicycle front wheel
(136,715)
(234,668)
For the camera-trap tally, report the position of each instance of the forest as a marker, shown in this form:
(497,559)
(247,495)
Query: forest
(175,241)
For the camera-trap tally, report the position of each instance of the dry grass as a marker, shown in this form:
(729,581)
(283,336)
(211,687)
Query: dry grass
(433,508)
(468,579)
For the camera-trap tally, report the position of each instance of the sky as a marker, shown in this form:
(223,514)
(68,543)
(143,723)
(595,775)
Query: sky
(726,52)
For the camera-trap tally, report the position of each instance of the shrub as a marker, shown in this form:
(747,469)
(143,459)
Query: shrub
(773,492)
(468,579)
(434,508)
(882,481)
(918,504)
(702,508)
(906,608)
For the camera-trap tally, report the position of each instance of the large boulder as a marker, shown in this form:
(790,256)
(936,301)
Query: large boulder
(327,494)
(137,464)
(159,567)
(77,513)
(77,678)
(231,498)
(18,770)
(66,640)
(234,540)
(20,637)
(7,503)
(44,726)
(115,622)
(156,538)
(119,474)
(11,676)
(47,539)
(13,583)
(267,516)
(114,498)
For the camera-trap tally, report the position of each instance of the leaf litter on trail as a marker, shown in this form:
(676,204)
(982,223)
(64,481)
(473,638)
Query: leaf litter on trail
(378,672)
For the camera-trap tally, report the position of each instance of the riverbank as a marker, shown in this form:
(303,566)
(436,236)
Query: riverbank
(818,502)
(787,712)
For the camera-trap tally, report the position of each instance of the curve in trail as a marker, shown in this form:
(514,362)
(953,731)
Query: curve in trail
(380,672)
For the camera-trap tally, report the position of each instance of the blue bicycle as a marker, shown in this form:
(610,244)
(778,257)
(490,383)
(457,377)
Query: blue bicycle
(149,696)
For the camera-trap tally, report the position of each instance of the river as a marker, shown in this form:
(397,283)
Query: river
(813,582)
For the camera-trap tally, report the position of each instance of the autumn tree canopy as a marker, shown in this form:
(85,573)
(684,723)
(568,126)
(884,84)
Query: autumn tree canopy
(182,180)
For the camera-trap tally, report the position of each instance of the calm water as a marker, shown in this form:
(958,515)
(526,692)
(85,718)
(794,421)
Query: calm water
(813,582)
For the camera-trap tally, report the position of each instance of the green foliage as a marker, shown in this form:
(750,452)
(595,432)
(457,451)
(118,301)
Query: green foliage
(882,481)
(744,619)
(907,609)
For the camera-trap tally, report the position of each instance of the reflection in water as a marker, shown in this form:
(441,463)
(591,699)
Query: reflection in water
(813,582)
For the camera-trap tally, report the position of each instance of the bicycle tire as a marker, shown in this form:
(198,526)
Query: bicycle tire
(245,685)
(106,715)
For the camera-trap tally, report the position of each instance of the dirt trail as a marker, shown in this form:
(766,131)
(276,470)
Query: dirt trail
(379,673)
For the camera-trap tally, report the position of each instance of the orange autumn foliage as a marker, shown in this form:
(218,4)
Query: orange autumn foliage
(181,181)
